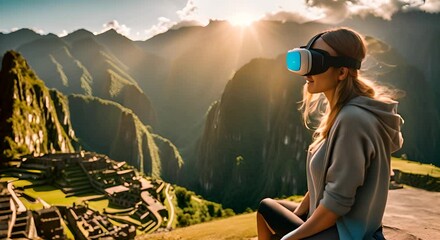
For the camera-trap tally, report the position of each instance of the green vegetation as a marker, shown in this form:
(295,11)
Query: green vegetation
(192,209)
(101,205)
(52,195)
(170,159)
(416,174)
(295,198)
(60,71)
(238,160)
(22,183)
(128,139)
(34,119)
(412,167)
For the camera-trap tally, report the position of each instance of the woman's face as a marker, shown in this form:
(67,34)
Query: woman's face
(327,81)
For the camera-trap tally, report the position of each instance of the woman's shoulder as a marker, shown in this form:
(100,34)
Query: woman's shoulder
(366,109)
(350,113)
(354,118)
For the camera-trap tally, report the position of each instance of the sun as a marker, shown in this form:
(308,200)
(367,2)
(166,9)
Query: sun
(241,20)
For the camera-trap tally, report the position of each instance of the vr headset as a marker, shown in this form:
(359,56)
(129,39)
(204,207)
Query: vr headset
(306,61)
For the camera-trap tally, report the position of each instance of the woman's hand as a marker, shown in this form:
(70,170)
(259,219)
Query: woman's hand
(321,219)
(303,207)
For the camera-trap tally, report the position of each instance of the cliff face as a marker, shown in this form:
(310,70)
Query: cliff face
(109,128)
(253,143)
(32,118)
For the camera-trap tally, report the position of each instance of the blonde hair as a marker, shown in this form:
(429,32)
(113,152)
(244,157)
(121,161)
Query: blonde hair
(346,42)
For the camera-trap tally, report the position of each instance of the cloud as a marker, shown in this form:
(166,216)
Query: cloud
(284,16)
(303,16)
(383,9)
(63,33)
(163,25)
(431,6)
(336,11)
(114,24)
(37,30)
(333,11)
(199,12)
(189,11)
(188,16)
(189,23)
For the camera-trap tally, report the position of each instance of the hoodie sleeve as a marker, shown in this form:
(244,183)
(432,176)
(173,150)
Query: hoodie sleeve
(349,151)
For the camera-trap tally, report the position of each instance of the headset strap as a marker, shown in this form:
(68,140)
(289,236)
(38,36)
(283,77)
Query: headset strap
(343,62)
(313,40)
(338,61)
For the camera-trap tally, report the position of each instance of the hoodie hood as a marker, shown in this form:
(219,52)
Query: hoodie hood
(386,112)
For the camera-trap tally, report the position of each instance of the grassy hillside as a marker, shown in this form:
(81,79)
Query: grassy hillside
(411,167)
(238,227)
(244,226)
(415,174)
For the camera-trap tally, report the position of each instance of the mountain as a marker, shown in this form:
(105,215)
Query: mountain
(15,39)
(184,71)
(109,128)
(81,65)
(149,70)
(253,137)
(78,34)
(33,120)
(203,59)
(421,128)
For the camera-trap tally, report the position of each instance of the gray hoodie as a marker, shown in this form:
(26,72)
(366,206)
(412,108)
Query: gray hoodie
(349,172)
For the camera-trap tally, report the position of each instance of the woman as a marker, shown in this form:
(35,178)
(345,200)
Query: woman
(348,163)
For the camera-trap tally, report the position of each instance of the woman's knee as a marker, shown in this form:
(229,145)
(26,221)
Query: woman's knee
(265,205)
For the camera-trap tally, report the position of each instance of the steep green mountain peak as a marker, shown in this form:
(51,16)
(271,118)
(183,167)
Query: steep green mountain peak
(33,119)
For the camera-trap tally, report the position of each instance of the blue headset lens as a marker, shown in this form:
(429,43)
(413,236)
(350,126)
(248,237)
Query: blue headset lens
(293,61)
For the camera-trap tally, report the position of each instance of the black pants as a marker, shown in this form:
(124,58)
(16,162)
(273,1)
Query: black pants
(279,215)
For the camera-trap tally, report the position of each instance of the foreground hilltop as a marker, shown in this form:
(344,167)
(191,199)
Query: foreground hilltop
(411,213)
(403,208)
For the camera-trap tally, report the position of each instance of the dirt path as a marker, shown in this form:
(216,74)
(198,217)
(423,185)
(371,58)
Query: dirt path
(170,203)
(412,213)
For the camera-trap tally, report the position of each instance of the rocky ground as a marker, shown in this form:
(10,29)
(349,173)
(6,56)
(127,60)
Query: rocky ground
(412,213)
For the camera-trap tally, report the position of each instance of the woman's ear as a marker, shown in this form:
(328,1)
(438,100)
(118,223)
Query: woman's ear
(343,73)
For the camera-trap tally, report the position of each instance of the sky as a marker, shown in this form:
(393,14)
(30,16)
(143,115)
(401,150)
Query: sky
(143,19)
